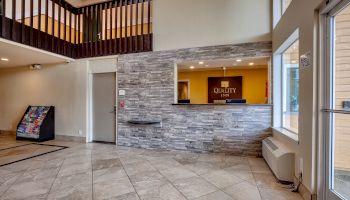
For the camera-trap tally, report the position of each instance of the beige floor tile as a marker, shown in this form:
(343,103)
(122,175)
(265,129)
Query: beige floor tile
(218,195)
(258,165)
(105,163)
(243,191)
(25,190)
(222,179)
(201,167)
(176,173)
(112,188)
(108,174)
(147,180)
(139,173)
(163,163)
(278,194)
(165,191)
(139,167)
(266,180)
(76,168)
(194,187)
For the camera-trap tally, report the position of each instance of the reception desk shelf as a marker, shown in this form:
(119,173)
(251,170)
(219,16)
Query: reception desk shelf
(226,104)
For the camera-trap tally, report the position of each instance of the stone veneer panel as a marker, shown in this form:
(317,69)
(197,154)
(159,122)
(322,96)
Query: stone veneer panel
(149,81)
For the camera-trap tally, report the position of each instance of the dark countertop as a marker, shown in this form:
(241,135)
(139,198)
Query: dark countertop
(212,104)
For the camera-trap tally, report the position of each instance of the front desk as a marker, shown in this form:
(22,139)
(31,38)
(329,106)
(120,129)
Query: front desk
(236,129)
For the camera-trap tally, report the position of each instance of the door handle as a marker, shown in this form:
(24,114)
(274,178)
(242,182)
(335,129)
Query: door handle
(347,112)
(114,110)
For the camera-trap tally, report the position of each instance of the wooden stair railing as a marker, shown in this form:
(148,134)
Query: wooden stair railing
(107,28)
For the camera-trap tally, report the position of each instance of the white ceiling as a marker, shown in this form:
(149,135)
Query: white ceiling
(80,3)
(259,63)
(21,55)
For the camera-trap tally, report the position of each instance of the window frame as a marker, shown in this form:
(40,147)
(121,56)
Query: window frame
(284,86)
(283,8)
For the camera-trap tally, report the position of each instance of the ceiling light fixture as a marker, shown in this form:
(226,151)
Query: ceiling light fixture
(251,64)
(4,59)
(239,60)
(201,62)
(294,61)
(191,67)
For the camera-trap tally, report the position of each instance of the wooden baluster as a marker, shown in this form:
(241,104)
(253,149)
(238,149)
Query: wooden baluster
(59,27)
(121,26)
(116,27)
(149,26)
(131,18)
(22,21)
(65,29)
(39,24)
(79,39)
(31,42)
(106,24)
(96,10)
(53,27)
(137,26)
(126,27)
(91,19)
(46,23)
(101,25)
(142,26)
(70,32)
(3,17)
(110,27)
(88,30)
(13,31)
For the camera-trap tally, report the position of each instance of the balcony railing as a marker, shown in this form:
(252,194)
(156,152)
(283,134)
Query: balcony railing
(108,28)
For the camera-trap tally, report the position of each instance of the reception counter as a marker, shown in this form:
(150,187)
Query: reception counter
(149,83)
(226,128)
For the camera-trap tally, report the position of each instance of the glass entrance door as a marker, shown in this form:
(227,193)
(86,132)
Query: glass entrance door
(338,103)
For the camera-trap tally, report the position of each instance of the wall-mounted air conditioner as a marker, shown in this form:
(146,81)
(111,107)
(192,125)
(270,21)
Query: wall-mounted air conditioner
(279,158)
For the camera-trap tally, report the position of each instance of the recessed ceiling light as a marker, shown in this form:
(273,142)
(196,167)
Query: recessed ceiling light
(191,67)
(239,60)
(251,63)
(201,62)
(4,59)
(294,61)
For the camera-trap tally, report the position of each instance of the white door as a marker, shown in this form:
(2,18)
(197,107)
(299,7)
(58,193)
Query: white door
(337,103)
(103,106)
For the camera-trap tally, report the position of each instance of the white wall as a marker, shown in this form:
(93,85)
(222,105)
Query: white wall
(63,86)
(303,15)
(197,23)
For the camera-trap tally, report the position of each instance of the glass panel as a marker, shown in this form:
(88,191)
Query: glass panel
(341,123)
(290,91)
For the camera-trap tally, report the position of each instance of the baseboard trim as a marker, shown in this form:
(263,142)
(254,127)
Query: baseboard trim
(8,132)
(70,138)
(306,194)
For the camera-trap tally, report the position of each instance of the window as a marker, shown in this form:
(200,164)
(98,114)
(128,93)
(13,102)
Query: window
(290,88)
(285,4)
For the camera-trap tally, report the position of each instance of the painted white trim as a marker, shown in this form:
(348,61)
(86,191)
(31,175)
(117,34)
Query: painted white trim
(89,107)
(278,83)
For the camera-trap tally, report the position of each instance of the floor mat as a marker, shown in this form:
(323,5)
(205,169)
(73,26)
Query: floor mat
(26,151)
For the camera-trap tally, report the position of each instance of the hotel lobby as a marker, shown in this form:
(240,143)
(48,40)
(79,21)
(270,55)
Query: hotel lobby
(172,100)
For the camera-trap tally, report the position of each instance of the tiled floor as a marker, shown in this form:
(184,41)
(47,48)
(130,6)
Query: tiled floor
(100,171)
